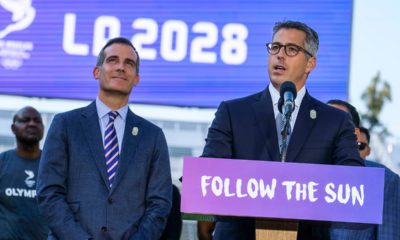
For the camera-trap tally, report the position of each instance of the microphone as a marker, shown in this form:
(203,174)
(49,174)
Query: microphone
(288,95)
(286,107)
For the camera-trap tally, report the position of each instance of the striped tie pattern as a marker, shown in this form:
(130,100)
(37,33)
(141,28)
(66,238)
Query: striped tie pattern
(111,147)
(280,128)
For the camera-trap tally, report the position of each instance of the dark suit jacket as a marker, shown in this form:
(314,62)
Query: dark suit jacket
(390,227)
(173,230)
(245,128)
(73,190)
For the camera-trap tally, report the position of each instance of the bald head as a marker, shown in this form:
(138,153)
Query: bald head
(28,126)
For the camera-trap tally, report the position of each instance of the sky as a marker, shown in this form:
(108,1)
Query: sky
(376,47)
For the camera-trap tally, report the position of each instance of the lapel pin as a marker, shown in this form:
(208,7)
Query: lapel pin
(313,114)
(135,131)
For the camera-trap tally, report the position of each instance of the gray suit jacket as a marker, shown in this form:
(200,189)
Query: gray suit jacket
(73,190)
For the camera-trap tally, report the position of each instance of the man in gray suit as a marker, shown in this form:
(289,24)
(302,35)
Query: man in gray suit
(104,171)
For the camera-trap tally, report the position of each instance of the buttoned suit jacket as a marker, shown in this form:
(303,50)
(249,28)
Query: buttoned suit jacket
(245,128)
(73,190)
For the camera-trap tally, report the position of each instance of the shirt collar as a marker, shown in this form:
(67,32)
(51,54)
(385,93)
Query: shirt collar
(103,110)
(275,95)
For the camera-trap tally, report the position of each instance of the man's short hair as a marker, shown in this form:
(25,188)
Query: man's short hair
(312,39)
(101,57)
(366,132)
(21,110)
(350,108)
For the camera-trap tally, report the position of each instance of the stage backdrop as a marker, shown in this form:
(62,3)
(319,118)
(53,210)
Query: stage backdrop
(194,53)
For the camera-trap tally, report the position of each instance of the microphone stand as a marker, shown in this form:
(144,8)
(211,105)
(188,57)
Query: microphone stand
(286,105)
(285,132)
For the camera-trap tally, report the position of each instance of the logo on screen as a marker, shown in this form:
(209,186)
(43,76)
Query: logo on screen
(22,15)
(14,52)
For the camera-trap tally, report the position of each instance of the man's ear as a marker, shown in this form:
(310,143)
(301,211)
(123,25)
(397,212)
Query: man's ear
(368,149)
(96,72)
(357,132)
(13,128)
(311,63)
(136,80)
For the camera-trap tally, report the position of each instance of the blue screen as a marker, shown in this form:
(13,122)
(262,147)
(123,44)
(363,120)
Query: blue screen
(193,53)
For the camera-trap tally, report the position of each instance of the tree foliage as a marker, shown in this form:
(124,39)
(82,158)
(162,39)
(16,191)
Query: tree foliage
(375,96)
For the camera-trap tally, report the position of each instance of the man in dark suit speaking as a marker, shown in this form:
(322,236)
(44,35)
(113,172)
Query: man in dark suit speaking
(246,128)
(104,171)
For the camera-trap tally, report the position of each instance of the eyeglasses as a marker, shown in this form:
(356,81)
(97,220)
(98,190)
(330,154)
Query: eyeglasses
(362,145)
(290,49)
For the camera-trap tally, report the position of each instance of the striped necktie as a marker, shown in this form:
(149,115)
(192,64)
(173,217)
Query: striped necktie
(111,147)
(283,142)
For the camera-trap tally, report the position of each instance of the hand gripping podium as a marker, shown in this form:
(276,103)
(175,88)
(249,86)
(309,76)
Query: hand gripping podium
(278,194)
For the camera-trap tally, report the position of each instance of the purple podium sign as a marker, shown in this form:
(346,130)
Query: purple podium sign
(266,189)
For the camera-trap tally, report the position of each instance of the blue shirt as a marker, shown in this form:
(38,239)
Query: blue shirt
(119,122)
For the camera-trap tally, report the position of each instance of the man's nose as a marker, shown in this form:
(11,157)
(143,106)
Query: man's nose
(33,122)
(281,53)
(121,66)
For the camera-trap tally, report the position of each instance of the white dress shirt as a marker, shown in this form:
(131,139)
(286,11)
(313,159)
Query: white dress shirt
(275,95)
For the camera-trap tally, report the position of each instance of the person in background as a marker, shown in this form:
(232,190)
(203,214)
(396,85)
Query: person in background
(390,227)
(104,171)
(19,213)
(173,229)
(363,143)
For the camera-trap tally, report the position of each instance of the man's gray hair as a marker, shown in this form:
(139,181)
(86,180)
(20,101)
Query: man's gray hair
(102,55)
(312,40)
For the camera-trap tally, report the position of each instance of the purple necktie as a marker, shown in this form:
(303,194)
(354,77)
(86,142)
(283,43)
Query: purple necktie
(111,147)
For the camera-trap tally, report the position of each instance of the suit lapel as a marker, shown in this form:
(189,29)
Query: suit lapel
(132,133)
(92,131)
(303,127)
(265,119)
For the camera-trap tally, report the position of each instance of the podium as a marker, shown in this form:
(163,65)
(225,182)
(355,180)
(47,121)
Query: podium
(273,230)
(278,195)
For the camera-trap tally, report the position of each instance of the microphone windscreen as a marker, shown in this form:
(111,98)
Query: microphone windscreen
(288,86)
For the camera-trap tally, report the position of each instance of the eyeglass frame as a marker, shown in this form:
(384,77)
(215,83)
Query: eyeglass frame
(284,46)
(362,145)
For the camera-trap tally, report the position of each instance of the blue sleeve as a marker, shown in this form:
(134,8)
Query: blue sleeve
(346,150)
(159,194)
(51,185)
(390,227)
(219,138)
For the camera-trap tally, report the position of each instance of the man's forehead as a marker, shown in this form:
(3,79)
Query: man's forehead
(117,48)
(290,34)
(28,112)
